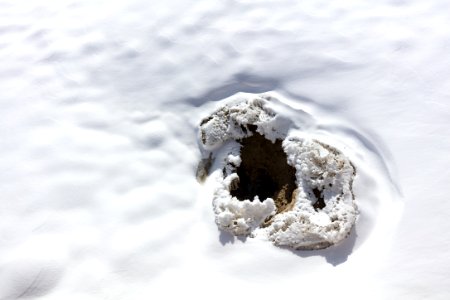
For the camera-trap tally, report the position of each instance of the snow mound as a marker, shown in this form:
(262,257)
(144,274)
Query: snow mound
(272,182)
(236,120)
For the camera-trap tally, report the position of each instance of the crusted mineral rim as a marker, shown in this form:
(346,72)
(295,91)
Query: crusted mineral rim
(292,190)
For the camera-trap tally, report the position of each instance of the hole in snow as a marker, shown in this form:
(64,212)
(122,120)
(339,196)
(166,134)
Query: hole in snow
(313,204)
(320,202)
(264,172)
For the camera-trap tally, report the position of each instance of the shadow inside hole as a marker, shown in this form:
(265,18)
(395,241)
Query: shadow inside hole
(264,172)
(320,201)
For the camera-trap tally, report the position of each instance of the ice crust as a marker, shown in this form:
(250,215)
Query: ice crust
(321,171)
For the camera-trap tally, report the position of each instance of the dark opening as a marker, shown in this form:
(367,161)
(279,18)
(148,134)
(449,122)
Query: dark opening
(264,172)
(320,202)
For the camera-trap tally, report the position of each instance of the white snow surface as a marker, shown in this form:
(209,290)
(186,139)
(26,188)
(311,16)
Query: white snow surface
(101,103)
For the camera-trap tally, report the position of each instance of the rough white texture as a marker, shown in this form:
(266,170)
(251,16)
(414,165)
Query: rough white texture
(321,167)
(239,217)
(232,120)
(318,166)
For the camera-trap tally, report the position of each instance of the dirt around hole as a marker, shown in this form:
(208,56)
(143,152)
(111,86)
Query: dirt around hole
(320,202)
(264,172)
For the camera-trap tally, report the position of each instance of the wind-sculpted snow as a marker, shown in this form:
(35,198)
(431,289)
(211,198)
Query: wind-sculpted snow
(101,103)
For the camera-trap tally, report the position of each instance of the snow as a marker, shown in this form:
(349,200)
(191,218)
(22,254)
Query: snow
(232,120)
(101,103)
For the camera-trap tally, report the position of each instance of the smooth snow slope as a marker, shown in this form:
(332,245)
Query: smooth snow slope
(100,103)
